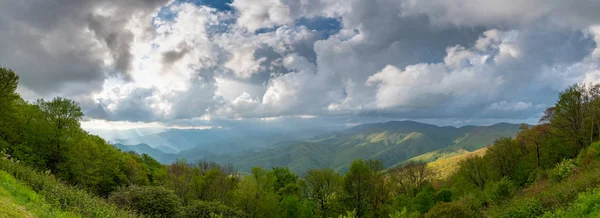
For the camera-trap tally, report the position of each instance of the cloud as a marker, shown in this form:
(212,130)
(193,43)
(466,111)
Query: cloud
(177,62)
(579,14)
(505,106)
(58,43)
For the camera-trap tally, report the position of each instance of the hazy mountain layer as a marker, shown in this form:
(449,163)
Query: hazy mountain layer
(391,142)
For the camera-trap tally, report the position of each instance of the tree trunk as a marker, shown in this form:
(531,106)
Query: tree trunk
(537,153)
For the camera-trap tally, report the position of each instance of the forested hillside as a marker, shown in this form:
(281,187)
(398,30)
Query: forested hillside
(551,169)
(392,143)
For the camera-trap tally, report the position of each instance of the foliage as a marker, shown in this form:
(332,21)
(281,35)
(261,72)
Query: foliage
(498,191)
(205,209)
(503,157)
(18,200)
(153,201)
(423,201)
(562,170)
(474,170)
(364,188)
(292,206)
(412,177)
(405,214)
(443,195)
(60,195)
(349,214)
(519,208)
(450,209)
(586,205)
(589,154)
(323,188)
(255,196)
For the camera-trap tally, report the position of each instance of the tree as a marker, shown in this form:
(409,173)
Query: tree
(569,116)
(179,178)
(93,164)
(63,115)
(285,180)
(594,110)
(504,156)
(364,188)
(322,187)
(474,170)
(411,177)
(254,194)
(534,139)
(8,85)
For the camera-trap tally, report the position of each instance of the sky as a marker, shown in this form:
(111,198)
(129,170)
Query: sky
(300,63)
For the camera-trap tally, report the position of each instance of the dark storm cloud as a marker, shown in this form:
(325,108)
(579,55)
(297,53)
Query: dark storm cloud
(49,42)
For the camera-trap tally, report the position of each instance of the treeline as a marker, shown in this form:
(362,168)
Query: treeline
(538,172)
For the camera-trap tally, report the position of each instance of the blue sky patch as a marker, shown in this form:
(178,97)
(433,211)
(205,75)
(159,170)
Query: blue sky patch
(320,23)
(221,5)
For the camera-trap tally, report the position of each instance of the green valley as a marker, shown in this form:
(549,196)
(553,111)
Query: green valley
(393,143)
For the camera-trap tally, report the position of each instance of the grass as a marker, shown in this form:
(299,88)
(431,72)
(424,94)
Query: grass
(58,195)
(19,200)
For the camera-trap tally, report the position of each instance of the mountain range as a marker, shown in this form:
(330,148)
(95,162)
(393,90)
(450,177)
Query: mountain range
(393,143)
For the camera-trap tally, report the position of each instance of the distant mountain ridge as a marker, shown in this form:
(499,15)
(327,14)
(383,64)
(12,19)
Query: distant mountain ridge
(391,142)
(394,143)
(207,144)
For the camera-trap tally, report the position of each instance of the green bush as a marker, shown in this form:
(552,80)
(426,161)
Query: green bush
(205,209)
(518,208)
(562,170)
(60,195)
(153,201)
(474,201)
(405,214)
(451,209)
(443,195)
(586,205)
(498,191)
(423,201)
(587,155)
(292,206)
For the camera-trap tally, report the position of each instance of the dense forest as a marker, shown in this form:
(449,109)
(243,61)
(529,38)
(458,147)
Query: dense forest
(551,169)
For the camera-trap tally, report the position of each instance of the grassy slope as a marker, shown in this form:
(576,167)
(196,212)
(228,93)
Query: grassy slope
(446,166)
(18,200)
(475,139)
(575,196)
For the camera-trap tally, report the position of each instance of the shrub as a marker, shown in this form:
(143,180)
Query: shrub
(292,206)
(205,209)
(562,170)
(153,201)
(349,214)
(423,201)
(518,208)
(451,209)
(472,201)
(587,155)
(586,205)
(405,214)
(536,176)
(443,195)
(498,191)
(60,195)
